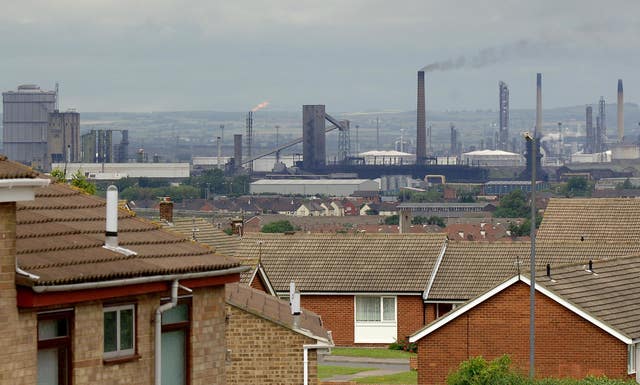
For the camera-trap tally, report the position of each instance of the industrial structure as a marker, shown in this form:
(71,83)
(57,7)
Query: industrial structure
(63,138)
(98,147)
(25,120)
(503,112)
(421,122)
(249,138)
(115,171)
(330,187)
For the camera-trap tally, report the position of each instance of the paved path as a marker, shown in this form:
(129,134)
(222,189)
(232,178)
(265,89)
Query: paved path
(383,366)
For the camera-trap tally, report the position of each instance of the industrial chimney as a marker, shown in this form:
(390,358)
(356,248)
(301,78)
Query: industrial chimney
(620,112)
(538,128)
(421,123)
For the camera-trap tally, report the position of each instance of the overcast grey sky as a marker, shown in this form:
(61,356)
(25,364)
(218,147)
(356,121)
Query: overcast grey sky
(352,55)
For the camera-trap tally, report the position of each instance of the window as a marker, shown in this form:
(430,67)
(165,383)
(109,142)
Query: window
(54,347)
(375,309)
(631,359)
(175,344)
(119,331)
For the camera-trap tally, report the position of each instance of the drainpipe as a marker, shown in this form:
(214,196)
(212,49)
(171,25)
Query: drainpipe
(158,332)
(305,359)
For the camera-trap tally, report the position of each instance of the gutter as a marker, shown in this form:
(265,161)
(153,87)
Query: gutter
(305,359)
(24,182)
(137,280)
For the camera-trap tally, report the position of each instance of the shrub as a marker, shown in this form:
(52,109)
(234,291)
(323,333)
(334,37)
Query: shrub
(405,345)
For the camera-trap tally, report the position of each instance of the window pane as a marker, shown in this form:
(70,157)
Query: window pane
(52,328)
(174,357)
(126,329)
(110,331)
(389,309)
(48,366)
(179,313)
(367,308)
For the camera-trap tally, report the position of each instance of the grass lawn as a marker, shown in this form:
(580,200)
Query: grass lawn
(326,371)
(409,378)
(371,352)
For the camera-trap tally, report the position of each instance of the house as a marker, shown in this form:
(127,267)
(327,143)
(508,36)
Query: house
(86,302)
(310,209)
(586,324)
(368,288)
(470,268)
(266,343)
(350,208)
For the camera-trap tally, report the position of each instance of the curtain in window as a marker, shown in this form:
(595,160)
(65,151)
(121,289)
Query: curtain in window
(48,366)
(367,308)
(389,309)
(174,357)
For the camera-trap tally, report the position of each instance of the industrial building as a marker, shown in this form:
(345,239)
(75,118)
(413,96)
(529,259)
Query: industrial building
(114,171)
(331,187)
(387,157)
(503,108)
(25,120)
(63,138)
(36,133)
(493,158)
(98,147)
(503,187)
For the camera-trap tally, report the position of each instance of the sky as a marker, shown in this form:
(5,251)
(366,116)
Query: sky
(352,55)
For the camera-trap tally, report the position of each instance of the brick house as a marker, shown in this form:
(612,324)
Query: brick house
(368,288)
(267,344)
(80,300)
(585,324)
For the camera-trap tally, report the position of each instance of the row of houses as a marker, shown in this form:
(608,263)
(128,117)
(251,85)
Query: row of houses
(92,294)
(460,299)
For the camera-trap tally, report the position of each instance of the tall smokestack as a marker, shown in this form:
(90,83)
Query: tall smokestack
(590,144)
(538,128)
(421,124)
(620,112)
(237,151)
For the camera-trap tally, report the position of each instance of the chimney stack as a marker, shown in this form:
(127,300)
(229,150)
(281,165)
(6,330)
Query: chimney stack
(111,233)
(405,220)
(620,112)
(166,209)
(421,123)
(538,129)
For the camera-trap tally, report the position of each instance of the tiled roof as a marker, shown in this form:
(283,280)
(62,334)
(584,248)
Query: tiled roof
(471,268)
(346,262)
(276,310)
(60,237)
(611,295)
(610,220)
(210,235)
(14,170)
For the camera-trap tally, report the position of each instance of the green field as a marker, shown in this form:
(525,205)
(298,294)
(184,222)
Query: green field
(371,352)
(325,371)
(408,378)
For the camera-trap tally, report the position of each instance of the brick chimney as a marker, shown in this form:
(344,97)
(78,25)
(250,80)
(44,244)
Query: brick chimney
(166,209)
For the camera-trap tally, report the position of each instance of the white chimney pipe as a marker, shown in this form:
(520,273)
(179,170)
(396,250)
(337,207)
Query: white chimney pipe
(292,291)
(111,233)
(295,304)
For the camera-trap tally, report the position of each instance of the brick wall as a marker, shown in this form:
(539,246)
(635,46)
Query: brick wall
(262,352)
(337,315)
(207,342)
(566,344)
(258,284)
(337,312)
(18,338)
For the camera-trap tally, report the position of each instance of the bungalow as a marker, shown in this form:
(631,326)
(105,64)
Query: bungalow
(86,303)
(368,288)
(585,324)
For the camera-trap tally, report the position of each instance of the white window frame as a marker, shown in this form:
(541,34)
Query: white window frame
(631,359)
(120,352)
(381,298)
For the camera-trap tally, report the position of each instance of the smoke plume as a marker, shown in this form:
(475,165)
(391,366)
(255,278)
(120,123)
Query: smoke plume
(486,57)
(260,106)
